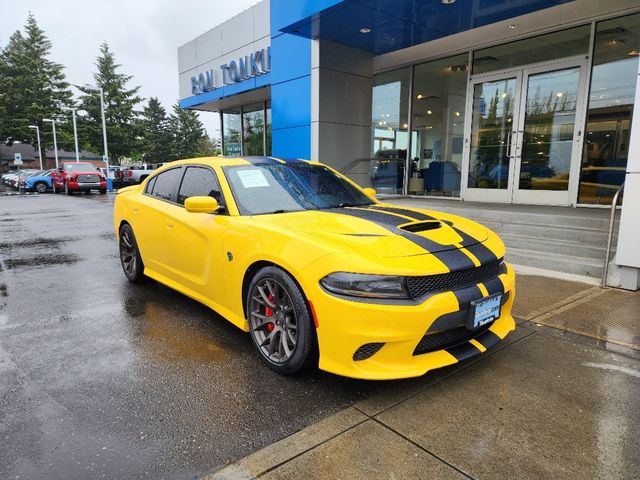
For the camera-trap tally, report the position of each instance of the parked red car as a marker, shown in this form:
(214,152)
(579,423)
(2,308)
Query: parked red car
(78,177)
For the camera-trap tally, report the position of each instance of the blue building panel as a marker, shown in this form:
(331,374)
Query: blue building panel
(290,57)
(285,12)
(292,142)
(291,103)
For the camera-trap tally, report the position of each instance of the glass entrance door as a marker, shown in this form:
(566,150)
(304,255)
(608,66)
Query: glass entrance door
(525,136)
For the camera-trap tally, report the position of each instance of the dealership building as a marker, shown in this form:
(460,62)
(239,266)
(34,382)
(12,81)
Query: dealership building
(499,101)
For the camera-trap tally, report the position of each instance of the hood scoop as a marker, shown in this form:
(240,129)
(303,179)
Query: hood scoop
(415,227)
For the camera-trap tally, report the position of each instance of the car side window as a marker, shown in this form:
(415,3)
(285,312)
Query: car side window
(200,181)
(166,184)
(150,185)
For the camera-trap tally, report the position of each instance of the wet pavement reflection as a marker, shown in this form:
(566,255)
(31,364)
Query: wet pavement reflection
(101,377)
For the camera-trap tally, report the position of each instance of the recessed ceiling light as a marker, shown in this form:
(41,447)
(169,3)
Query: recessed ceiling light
(365,30)
(429,112)
(559,94)
(405,125)
(448,2)
(513,26)
(420,96)
(457,114)
(634,53)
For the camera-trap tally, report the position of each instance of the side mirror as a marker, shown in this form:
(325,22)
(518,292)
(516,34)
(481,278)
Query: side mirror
(201,205)
(370,191)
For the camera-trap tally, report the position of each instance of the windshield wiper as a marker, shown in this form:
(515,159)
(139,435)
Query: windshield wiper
(282,210)
(347,204)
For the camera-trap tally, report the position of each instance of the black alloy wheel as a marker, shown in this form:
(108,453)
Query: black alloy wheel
(41,187)
(130,255)
(280,322)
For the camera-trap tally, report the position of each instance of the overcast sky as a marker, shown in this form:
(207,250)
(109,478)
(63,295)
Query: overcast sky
(143,34)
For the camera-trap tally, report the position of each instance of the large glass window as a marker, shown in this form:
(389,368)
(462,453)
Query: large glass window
(390,130)
(611,99)
(166,184)
(232,125)
(439,96)
(268,135)
(540,48)
(253,129)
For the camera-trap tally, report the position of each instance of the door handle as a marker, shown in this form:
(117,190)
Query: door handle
(135,210)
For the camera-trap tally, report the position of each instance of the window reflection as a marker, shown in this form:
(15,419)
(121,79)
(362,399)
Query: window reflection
(611,99)
(389,125)
(231,124)
(253,129)
(438,125)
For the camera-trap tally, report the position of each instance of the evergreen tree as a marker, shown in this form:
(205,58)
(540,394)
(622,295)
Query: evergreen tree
(189,138)
(32,87)
(156,139)
(123,127)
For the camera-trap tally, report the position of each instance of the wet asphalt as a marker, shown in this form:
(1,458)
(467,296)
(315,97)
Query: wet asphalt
(102,378)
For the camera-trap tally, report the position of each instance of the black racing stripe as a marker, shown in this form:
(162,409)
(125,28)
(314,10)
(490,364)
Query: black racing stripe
(403,211)
(488,339)
(477,248)
(494,285)
(464,351)
(454,259)
(466,295)
(260,160)
(291,160)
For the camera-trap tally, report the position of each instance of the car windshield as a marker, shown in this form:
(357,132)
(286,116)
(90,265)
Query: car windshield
(78,167)
(289,187)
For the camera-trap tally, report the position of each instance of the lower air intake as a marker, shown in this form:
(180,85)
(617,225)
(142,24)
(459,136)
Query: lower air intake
(367,350)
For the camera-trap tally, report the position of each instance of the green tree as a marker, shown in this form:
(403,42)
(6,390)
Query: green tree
(32,87)
(189,138)
(156,139)
(123,126)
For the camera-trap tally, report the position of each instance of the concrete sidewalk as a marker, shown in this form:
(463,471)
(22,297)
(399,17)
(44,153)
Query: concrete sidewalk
(544,403)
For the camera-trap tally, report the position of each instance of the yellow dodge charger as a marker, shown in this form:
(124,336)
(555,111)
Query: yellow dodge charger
(315,268)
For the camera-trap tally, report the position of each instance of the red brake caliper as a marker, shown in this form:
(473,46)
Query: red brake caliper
(269,313)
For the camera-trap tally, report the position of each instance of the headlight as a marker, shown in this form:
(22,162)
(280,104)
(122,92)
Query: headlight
(368,286)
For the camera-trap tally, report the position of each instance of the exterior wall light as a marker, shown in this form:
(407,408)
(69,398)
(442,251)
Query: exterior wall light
(365,30)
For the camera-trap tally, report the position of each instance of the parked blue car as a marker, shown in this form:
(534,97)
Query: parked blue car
(39,183)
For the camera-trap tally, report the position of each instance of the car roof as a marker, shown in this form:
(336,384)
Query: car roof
(234,161)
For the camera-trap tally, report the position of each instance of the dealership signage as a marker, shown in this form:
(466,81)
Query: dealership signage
(248,66)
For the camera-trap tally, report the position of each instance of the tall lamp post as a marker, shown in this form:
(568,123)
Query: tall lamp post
(39,150)
(75,129)
(55,141)
(104,132)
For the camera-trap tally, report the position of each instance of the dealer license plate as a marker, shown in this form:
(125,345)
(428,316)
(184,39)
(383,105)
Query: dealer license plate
(485,310)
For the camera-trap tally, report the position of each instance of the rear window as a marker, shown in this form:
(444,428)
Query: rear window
(166,184)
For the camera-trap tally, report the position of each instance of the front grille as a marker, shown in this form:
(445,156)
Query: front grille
(88,179)
(447,339)
(367,350)
(419,286)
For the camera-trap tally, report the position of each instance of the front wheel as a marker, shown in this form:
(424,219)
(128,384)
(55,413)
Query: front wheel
(103,191)
(67,191)
(41,187)
(130,255)
(280,323)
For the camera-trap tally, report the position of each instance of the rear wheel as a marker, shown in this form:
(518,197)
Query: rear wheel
(130,255)
(280,323)
(40,187)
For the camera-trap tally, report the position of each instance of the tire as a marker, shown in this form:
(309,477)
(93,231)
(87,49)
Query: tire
(66,189)
(130,258)
(103,191)
(40,187)
(287,344)
(87,192)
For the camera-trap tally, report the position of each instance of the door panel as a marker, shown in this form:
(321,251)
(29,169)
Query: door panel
(548,130)
(524,135)
(147,217)
(492,139)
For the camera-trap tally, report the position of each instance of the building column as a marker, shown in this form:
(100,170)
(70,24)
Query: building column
(628,251)
(341,96)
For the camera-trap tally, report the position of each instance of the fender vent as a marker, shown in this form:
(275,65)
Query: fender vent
(421,226)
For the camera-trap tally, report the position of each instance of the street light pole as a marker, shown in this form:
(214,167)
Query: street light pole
(104,132)
(39,150)
(75,130)
(55,141)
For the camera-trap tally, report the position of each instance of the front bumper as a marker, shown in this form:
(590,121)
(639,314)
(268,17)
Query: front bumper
(344,326)
(83,187)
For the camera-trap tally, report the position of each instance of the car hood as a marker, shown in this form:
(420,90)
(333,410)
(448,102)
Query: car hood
(379,230)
